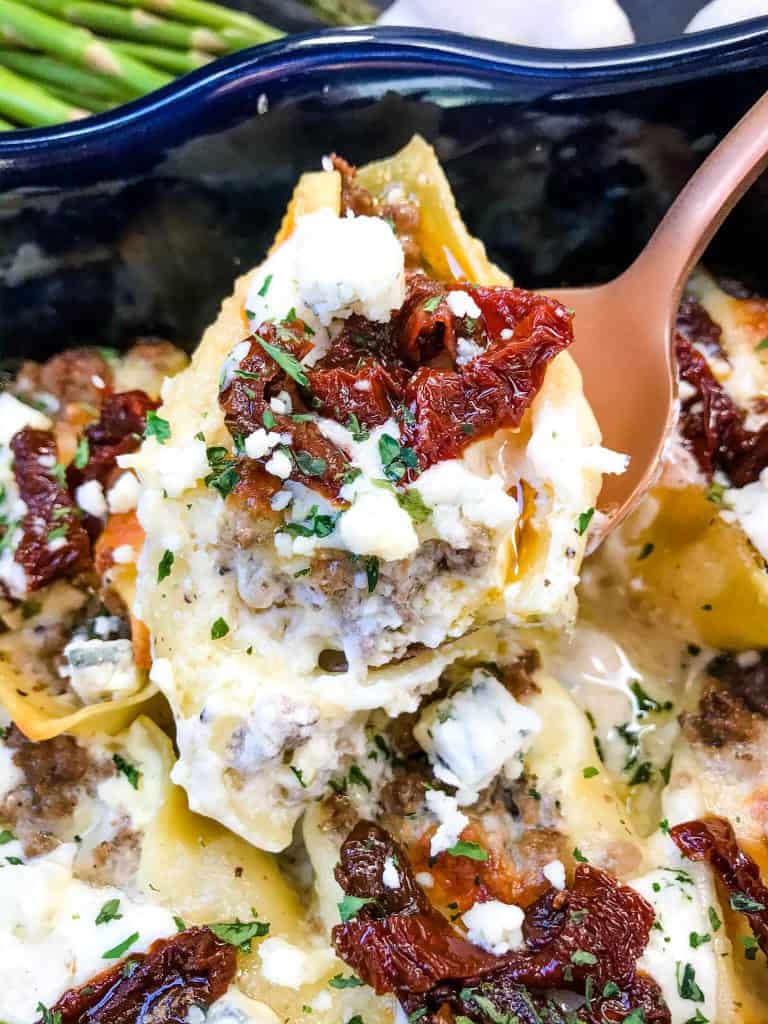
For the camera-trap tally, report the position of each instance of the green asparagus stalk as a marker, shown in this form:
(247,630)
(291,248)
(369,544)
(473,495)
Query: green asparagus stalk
(31,105)
(78,45)
(56,73)
(134,23)
(199,12)
(179,62)
(93,104)
(344,12)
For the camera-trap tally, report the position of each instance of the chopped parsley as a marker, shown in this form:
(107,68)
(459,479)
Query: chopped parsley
(431,304)
(48,1016)
(351,474)
(351,906)
(315,525)
(741,901)
(299,775)
(714,920)
(697,1018)
(416,1015)
(164,566)
(109,912)
(761,345)
(610,990)
(219,628)
(697,939)
(578,856)
(358,431)
(686,983)
(223,476)
(396,459)
(29,609)
(265,286)
(268,419)
(15,861)
(82,454)
(58,532)
(358,778)
(6,836)
(157,427)
(240,933)
(59,474)
(583,958)
(716,493)
(122,947)
(750,947)
(585,518)
(414,505)
(473,851)
(181,924)
(372,572)
(642,774)
(646,550)
(637,1016)
(309,465)
(288,363)
(646,703)
(590,772)
(130,771)
(339,981)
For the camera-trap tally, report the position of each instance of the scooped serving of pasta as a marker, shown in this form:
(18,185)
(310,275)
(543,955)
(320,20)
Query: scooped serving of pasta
(313,706)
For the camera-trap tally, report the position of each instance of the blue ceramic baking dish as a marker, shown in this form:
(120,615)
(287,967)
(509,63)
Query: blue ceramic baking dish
(137,221)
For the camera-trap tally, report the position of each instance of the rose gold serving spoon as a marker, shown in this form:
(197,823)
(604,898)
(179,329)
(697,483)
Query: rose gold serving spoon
(623,329)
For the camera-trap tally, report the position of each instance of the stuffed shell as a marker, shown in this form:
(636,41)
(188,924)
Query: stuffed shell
(379,449)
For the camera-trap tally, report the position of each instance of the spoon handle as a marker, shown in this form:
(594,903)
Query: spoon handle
(709,196)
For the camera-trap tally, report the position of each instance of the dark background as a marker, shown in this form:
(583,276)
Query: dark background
(652,20)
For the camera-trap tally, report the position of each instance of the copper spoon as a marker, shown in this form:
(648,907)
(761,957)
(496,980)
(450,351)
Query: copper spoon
(623,329)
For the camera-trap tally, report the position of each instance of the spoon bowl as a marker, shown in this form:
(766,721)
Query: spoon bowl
(624,329)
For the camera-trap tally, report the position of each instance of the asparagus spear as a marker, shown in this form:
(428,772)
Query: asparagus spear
(78,45)
(133,24)
(56,73)
(31,105)
(344,12)
(177,61)
(93,104)
(199,12)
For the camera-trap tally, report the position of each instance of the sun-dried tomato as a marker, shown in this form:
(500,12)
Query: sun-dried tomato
(193,967)
(450,409)
(711,423)
(398,942)
(578,939)
(361,375)
(713,840)
(53,541)
(118,431)
(697,326)
(317,462)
